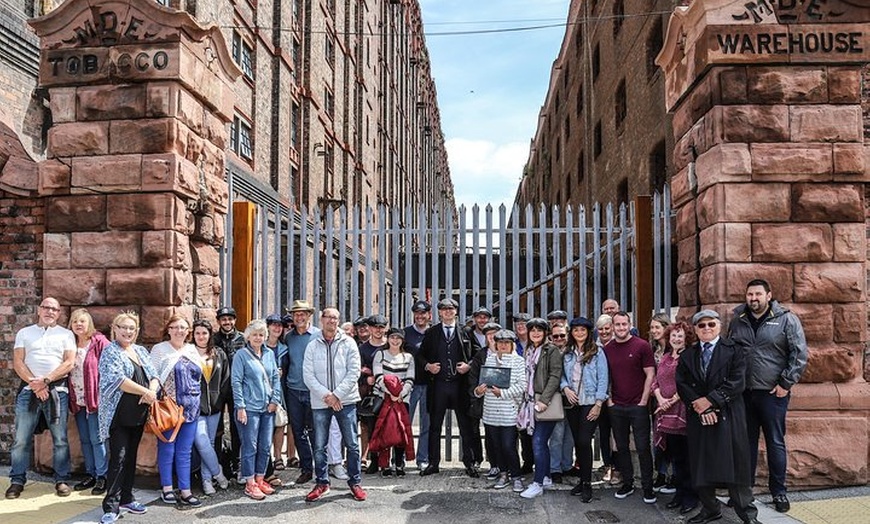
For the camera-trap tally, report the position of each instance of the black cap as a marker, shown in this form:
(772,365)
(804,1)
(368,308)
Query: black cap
(274,319)
(522,317)
(397,332)
(482,311)
(287,319)
(557,315)
(447,303)
(582,322)
(490,326)
(226,312)
(538,322)
(420,306)
(360,321)
(377,320)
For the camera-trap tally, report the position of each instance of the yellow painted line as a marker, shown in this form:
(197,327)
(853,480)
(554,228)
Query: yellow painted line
(38,503)
(832,511)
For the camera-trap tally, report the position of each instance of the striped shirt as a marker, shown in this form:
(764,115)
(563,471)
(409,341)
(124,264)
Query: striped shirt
(401,365)
(502,411)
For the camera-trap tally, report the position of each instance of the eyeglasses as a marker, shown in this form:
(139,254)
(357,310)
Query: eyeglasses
(178,328)
(559,336)
(50,308)
(705,325)
(126,328)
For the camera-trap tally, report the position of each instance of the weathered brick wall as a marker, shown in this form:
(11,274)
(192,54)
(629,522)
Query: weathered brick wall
(865,107)
(22,223)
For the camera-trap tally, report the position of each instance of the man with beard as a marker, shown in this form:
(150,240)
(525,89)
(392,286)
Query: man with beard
(711,376)
(422,312)
(230,340)
(446,352)
(481,317)
(773,341)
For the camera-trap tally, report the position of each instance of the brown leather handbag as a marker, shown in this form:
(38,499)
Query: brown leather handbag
(165,415)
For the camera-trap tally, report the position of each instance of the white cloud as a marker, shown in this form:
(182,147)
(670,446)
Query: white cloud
(484,171)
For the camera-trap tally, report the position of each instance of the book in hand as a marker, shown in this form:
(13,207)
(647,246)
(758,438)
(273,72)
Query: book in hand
(495,376)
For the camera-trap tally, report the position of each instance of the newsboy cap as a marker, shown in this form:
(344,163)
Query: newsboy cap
(701,315)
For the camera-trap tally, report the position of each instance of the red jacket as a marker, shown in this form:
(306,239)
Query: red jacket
(393,427)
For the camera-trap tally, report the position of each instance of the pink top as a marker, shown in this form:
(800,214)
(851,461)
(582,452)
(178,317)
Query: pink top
(672,421)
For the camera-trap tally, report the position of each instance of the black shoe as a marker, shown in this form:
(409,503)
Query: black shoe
(660,482)
(573,472)
(14,491)
(584,491)
(86,483)
(304,477)
(781,503)
(99,487)
(400,472)
(472,472)
(430,470)
(674,503)
(688,508)
(704,517)
(624,491)
(527,468)
(556,478)
(649,496)
(372,468)
(386,472)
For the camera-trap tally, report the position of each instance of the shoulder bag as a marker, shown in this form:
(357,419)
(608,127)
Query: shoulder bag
(165,415)
(554,412)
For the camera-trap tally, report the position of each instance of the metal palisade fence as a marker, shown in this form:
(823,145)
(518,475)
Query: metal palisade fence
(531,259)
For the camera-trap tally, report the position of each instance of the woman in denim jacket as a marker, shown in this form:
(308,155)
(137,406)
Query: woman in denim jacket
(585,383)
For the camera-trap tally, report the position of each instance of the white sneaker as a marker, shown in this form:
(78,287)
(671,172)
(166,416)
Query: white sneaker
(240,480)
(337,471)
(548,483)
(518,485)
(109,518)
(208,487)
(534,490)
(223,481)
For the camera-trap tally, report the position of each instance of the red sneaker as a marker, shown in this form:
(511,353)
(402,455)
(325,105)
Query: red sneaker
(265,487)
(319,491)
(253,490)
(358,493)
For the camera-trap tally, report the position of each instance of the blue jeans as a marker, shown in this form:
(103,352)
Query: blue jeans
(301,422)
(418,396)
(256,443)
(206,427)
(93,449)
(347,423)
(176,453)
(561,448)
(541,448)
(765,413)
(26,418)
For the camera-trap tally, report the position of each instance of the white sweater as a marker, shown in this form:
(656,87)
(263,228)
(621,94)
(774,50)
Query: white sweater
(502,411)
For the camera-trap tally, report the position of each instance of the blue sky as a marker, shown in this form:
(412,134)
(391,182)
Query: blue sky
(491,87)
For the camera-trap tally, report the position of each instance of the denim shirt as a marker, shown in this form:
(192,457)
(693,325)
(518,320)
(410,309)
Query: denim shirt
(596,380)
(251,392)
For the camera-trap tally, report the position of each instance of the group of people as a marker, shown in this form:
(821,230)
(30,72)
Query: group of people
(340,399)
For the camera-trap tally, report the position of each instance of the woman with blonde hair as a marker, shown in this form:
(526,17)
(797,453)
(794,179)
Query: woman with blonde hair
(127,386)
(178,366)
(84,389)
(257,393)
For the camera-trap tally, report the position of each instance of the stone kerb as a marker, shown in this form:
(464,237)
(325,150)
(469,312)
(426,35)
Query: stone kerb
(771,163)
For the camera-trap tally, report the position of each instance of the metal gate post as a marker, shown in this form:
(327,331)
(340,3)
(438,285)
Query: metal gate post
(644,268)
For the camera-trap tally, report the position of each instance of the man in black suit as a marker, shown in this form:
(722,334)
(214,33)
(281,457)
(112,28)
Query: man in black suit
(446,351)
(711,377)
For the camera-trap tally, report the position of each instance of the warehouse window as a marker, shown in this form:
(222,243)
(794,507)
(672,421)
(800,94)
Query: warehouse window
(240,138)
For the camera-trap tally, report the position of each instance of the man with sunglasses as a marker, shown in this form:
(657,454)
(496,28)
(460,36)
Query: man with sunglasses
(43,356)
(776,351)
(711,376)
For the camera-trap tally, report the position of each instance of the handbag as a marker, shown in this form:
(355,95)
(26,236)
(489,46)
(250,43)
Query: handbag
(165,415)
(370,406)
(554,412)
(281,418)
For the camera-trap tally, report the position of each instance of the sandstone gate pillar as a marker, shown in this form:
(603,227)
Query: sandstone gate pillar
(133,184)
(771,153)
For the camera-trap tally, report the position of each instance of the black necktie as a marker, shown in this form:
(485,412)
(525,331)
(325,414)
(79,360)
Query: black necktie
(449,333)
(706,355)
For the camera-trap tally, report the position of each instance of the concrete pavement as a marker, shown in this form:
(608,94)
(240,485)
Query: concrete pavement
(444,498)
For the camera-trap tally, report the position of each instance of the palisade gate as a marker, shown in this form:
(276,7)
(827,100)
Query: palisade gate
(380,260)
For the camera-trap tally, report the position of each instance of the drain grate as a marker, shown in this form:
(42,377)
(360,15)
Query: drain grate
(601,517)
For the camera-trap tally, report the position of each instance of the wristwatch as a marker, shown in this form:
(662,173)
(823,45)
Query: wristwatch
(46,380)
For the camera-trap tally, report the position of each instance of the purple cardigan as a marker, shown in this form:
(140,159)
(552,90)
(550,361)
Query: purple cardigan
(90,368)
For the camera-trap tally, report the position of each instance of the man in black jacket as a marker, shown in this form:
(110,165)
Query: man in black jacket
(711,376)
(230,340)
(446,352)
(776,352)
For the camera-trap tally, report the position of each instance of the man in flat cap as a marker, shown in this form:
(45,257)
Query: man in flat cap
(414,332)
(481,317)
(229,339)
(711,377)
(446,352)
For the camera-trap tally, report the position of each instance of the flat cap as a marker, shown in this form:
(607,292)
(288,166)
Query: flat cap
(226,311)
(581,322)
(482,311)
(539,323)
(704,313)
(522,317)
(420,306)
(505,334)
(490,326)
(557,315)
(377,320)
(447,303)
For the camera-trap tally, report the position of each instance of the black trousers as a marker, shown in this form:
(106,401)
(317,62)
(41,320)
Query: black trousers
(447,395)
(608,455)
(582,430)
(123,448)
(677,451)
(741,496)
(527,453)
